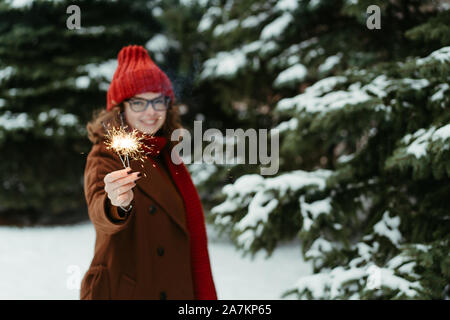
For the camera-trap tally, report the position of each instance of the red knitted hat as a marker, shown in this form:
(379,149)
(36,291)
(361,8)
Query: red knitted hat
(136,73)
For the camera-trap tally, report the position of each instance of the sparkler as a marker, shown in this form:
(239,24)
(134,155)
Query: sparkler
(126,144)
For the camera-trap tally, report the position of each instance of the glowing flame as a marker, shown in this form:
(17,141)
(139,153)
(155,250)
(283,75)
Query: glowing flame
(125,144)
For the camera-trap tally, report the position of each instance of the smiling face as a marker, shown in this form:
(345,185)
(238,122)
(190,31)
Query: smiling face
(148,121)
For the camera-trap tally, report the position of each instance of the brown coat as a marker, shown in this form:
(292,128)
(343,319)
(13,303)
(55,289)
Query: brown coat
(147,255)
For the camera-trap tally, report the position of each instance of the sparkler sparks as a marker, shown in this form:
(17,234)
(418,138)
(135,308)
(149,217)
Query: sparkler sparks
(125,144)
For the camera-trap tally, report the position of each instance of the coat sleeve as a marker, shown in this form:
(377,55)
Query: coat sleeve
(102,213)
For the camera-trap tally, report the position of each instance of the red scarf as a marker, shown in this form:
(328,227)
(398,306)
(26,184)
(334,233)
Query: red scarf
(204,288)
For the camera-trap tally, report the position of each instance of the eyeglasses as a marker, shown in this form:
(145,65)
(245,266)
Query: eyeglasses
(160,103)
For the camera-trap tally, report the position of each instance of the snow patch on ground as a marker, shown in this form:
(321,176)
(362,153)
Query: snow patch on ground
(48,263)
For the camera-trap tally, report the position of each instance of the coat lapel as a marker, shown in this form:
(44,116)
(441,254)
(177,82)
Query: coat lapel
(155,186)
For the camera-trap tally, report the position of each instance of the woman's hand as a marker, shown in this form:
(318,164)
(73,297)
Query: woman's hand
(118,185)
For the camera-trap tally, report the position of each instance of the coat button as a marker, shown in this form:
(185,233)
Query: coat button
(162,295)
(160,251)
(152,209)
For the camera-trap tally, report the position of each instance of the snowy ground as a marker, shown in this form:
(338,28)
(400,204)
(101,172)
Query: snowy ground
(48,263)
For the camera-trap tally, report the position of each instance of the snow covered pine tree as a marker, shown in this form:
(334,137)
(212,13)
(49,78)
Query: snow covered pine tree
(364,121)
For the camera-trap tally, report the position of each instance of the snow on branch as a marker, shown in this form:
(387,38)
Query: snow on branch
(418,142)
(259,197)
(441,55)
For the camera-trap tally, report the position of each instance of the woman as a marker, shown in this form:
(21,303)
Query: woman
(151,238)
